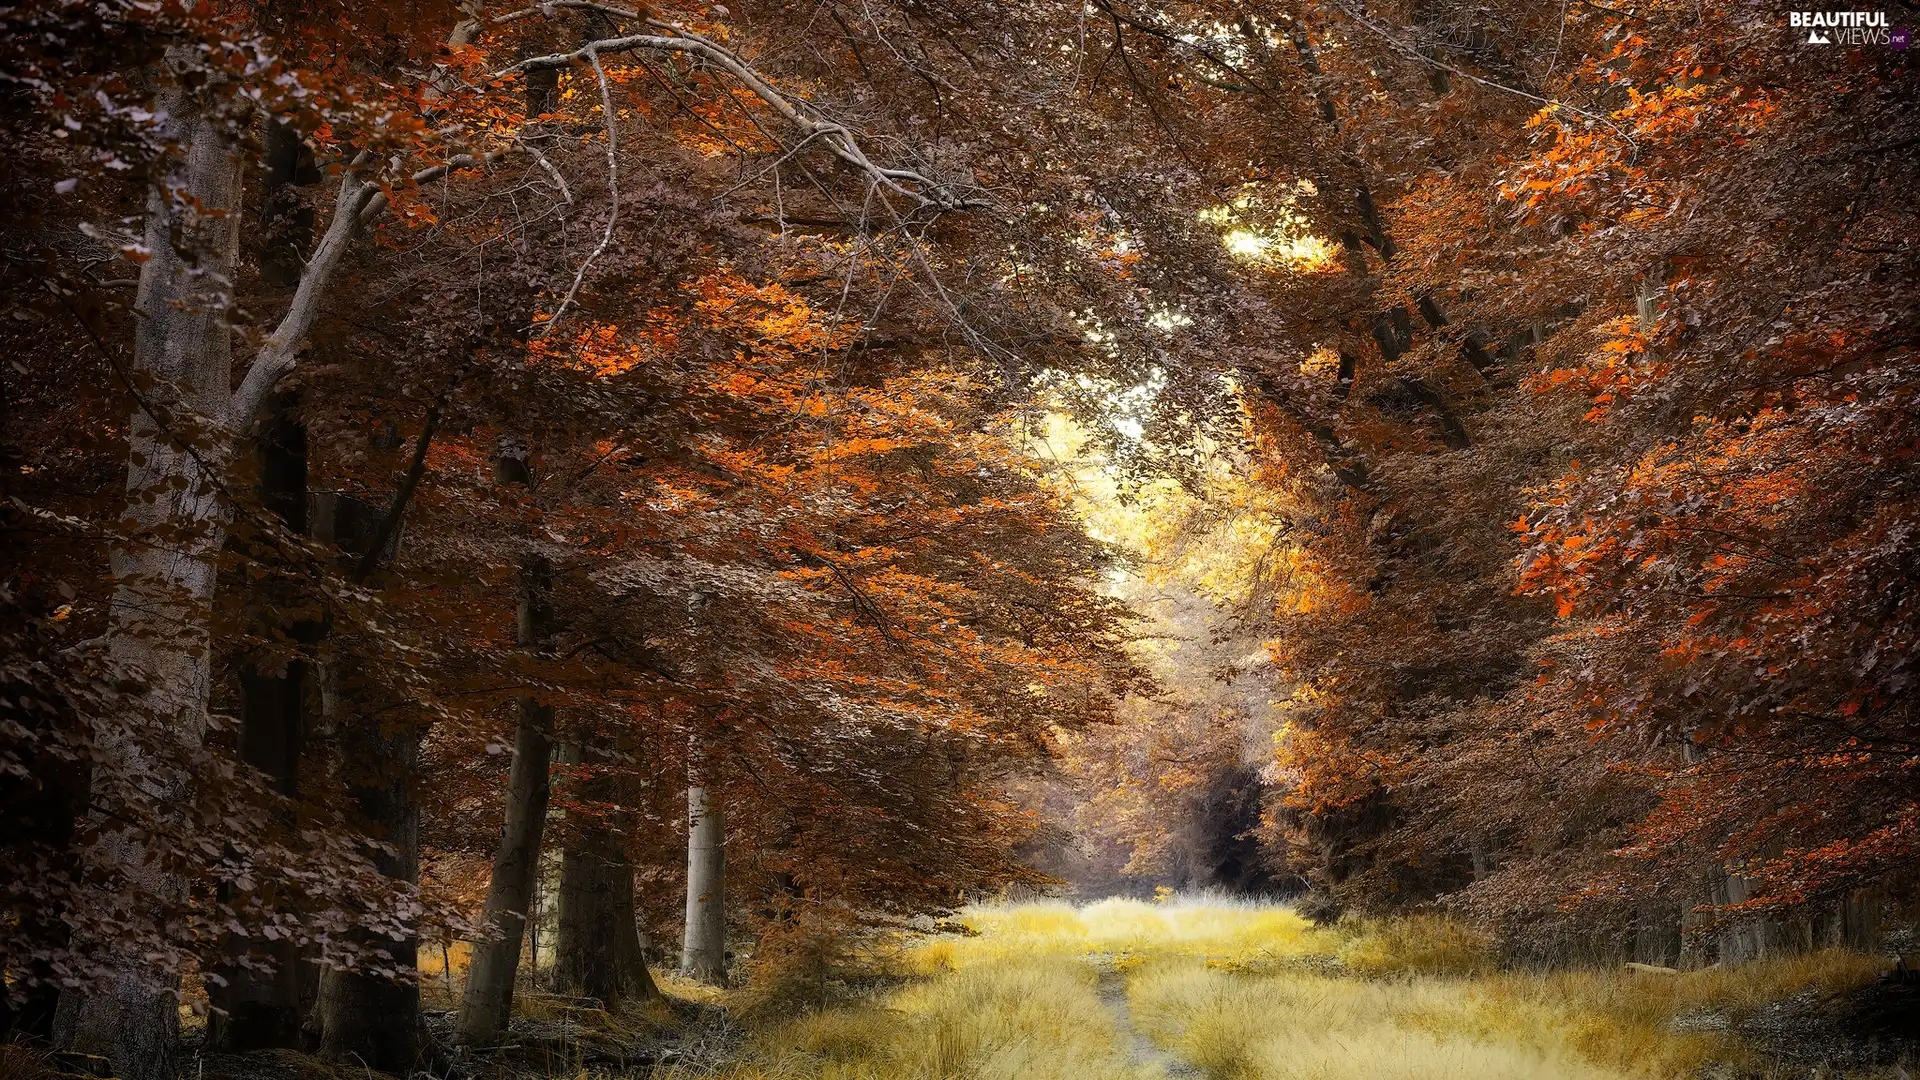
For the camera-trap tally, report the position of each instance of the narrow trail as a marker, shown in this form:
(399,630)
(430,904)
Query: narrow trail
(1142,1053)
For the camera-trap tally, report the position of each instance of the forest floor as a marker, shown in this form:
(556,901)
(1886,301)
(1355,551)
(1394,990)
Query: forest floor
(1197,988)
(1125,990)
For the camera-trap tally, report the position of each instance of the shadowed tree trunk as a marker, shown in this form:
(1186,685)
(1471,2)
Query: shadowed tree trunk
(364,1018)
(599,953)
(1854,922)
(489,995)
(1656,935)
(257,1009)
(703,949)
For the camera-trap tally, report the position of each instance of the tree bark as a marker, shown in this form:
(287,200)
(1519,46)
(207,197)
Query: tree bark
(366,1019)
(703,949)
(1656,935)
(157,624)
(1745,940)
(1854,922)
(256,1009)
(598,952)
(488,1001)
(489,994)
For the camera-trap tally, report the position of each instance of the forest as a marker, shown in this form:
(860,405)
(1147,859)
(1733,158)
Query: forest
(973,540)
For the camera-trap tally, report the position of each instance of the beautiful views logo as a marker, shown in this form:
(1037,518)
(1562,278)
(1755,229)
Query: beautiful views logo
(1844,27)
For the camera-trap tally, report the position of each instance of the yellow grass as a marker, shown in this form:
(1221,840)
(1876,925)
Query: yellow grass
(1118,929)
(1253,992)
(1036,1019)
(1418,945)
(1284,1027)
(1349,1029)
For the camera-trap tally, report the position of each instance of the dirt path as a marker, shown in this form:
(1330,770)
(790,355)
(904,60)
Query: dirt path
(1142,1053)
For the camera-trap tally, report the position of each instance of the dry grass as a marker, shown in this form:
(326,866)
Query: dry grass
(1202,928)
(1253,992)
(1621,1017)
(1038,1019)
(23,1063)
(1346,1029)
(1416,945)
(1575,1025)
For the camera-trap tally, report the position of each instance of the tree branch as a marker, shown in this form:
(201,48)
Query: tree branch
(277,356)
(1411,50)
(917,186)
(613,195)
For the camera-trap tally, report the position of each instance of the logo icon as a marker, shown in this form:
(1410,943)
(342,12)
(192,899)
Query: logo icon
(1900,39)
(1817,37)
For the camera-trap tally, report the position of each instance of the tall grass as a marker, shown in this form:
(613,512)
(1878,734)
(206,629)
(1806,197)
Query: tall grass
(1120,929)
(1415,945)
(1254,992)
(1306,1027)
(1572,1025)
(1036,1019)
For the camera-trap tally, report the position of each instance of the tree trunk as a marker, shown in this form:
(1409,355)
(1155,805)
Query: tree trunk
(489,996)
(703,951)
(1656,935)
(1854,922)
(257,1009)
(598,951)
(157,624)
(370,1021)
(1745,940)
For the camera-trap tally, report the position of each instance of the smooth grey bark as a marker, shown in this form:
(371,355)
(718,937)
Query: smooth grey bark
(703,948)
(181,437)
(1854,922)
(157,624)
(1748,939)
(488,1001)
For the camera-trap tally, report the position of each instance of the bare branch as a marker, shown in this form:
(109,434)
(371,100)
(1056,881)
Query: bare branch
(613,195)
(276,357)
(922,189)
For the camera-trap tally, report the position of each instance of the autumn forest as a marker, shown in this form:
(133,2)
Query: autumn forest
(1267,540)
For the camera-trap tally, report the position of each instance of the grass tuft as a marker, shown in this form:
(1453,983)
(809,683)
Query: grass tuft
(1415,945)
(19,1062)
